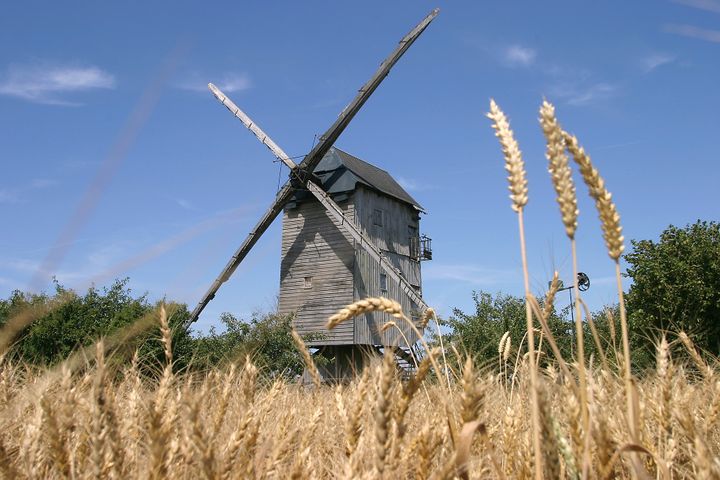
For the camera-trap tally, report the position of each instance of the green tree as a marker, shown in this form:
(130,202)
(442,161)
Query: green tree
(72,321)
(676,285)
(266,338)
(479,333)
(69,321)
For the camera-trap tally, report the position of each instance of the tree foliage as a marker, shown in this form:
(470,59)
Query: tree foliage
(266,338)
(676,284)
(69,321)
(479,333)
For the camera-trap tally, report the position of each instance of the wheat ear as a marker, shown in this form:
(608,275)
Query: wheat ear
(549,305)
(559,168)
(425,319)
(609,217)
(519,196)
(166,335)
(472,395)
(383,414)
(372,304)
(309,363)
(513,157)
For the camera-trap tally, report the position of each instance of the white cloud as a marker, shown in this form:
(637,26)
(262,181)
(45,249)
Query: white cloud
(42,183)
(235,82)
(707,5)
(20,265)
(182,203)
(17,194)
(519,56)
(228,82)
(471,274)
(581,95)
(656,60)
(694,32)
(412,185)
(9,196)
(48,84)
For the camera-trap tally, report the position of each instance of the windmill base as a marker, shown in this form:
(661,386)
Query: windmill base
(342,363)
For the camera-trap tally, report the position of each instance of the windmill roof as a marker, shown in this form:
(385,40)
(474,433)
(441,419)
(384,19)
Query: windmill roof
(341,172)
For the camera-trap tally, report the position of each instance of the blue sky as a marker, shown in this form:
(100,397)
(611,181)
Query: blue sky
(117,161)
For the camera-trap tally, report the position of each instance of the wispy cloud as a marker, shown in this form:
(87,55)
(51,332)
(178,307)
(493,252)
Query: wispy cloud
(20,265)
(228,82)
(707,5)
(694,32)
(50,84)
(519,56)
(18,194)
(7,282)
(656,60)
(584,93)
(571,84)
(413,185)
(186,205)
(8,195)
(470,274)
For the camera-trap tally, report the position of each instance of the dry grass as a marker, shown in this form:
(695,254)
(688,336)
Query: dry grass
(226,425)
(90,418)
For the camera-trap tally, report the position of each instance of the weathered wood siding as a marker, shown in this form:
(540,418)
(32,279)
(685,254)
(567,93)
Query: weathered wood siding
(393,238)
(314,246)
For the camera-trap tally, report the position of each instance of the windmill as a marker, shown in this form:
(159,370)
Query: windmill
(323,199)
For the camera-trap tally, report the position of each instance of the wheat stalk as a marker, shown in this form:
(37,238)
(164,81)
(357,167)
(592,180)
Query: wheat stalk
(614,241)
(518,188)
(567,199)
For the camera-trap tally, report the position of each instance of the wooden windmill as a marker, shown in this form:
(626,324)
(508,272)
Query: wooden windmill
(349,231)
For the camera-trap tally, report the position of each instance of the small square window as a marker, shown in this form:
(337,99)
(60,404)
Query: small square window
(308,282)
(378,217)
(383,283)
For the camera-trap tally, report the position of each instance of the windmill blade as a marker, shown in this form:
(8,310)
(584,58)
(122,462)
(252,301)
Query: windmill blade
(253,127)
(336,212)
(308,164)
(328,138)
(282,198)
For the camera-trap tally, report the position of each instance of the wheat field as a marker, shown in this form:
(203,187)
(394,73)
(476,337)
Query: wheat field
(229,424)
(571,418)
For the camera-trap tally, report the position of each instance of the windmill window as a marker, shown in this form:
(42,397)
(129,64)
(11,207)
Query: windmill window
(307,282)
(378,217)
(383,283)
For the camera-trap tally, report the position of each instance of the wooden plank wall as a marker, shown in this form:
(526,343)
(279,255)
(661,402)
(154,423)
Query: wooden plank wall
(314,246)
(393,239)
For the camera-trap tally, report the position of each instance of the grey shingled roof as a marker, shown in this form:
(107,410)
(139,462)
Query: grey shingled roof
(341,172)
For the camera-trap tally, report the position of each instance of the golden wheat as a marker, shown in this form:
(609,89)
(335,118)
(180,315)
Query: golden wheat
(559,168)
(269,430)
(513,158)
(609,217)
(373,304)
